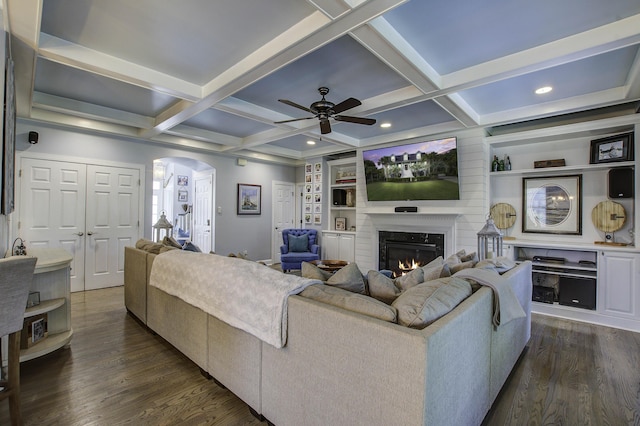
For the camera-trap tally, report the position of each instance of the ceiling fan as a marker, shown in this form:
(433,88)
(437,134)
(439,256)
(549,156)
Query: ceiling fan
(324,110)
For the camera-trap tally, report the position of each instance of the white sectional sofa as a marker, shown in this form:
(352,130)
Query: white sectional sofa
(344,368)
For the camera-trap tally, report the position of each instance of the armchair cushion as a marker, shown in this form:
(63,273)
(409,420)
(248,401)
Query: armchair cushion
(299,244)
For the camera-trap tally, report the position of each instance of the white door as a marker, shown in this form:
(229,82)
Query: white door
(283,210)
(202,232)
(52,209)
(94,224)
(111,221)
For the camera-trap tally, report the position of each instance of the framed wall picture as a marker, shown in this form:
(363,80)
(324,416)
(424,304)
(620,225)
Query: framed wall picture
(612,148)
(249,199)
(183,180)
(552,205)
(183,196)
(341,223)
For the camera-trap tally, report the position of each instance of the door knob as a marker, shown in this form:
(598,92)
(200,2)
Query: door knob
(79,234)
(91,233)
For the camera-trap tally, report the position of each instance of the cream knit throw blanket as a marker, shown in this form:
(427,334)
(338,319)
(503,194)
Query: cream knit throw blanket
(244,294)
(506,305)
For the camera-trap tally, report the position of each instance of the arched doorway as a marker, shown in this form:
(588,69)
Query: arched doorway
(184,190)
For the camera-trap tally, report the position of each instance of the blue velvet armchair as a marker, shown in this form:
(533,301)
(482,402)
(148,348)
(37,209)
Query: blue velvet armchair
(300,245)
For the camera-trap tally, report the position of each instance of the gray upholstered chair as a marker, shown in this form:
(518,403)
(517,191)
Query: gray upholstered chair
(16,275)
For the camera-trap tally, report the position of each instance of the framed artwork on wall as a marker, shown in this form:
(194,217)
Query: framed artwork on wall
(612,148)
(183,196)
(552,205)
(249,199)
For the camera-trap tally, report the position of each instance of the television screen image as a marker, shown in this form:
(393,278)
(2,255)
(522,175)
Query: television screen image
(419,171)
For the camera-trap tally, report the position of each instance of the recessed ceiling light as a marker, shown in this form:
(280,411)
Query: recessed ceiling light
(310,142)
(385,125)
(543,90)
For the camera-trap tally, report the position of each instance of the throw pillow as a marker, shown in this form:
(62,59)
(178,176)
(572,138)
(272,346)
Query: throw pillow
(171,242)
(189,246)
(460,266)
(427,302)
(382,287)
(348,278)
(309,270)
(298,244)
(350,301)
(432,272)
(410,279)
(148,246)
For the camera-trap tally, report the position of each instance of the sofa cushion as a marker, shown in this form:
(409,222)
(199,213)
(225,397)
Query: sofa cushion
(348,278)
(350,301)
(382,287)
(298,244)
(148,246)
(424,303)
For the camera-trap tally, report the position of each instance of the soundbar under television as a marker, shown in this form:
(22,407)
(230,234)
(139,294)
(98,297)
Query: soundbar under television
(419,171)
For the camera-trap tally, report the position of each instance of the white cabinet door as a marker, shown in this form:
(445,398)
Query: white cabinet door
(336,246)
(619,284)
(330,248)
(347,244)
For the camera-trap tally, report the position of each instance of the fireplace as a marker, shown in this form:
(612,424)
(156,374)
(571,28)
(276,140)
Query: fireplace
(402,251)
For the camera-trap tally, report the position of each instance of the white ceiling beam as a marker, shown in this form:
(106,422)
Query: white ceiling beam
(24,22)
(564,106)
(190,132)
(599,40)
(276,54)
(74,55)
(89,111)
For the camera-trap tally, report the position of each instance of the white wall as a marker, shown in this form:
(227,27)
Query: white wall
(233,234)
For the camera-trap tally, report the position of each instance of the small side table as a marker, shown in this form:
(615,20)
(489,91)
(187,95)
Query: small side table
(330,265)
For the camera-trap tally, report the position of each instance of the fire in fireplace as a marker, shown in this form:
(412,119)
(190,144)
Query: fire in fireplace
(400,252)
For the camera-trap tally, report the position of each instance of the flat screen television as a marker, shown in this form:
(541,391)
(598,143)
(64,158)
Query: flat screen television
(418,171)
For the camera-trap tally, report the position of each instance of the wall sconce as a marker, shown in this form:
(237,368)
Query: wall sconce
(489,241)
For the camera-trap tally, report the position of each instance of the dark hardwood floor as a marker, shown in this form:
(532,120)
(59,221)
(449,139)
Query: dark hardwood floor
(116,372)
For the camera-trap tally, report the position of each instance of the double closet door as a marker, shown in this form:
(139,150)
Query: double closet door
(91,211)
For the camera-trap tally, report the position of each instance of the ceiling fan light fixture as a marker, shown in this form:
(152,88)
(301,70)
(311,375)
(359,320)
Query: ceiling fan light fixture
(543,90)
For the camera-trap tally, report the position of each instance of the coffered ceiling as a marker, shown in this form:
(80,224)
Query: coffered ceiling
(207,75)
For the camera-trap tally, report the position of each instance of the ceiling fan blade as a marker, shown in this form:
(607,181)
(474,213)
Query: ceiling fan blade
(358,120)
(293,119)
(295,105)
(325,127)
(345,105)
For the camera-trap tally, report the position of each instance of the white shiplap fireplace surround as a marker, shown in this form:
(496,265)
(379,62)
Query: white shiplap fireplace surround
(458,220)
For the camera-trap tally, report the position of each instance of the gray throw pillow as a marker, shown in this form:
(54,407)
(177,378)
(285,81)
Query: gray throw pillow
(309,270)
(410,279)
(348,278)
(425,303)
(350,301)
(382,287)
(298,244)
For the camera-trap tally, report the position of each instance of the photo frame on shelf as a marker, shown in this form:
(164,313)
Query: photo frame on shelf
(341,223)
(249,199)
(552,205)
(612,149)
